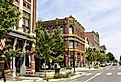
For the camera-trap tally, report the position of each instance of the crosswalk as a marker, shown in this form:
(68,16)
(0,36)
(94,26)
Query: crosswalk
(107,74)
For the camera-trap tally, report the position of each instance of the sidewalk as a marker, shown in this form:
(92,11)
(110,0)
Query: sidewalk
(38,76)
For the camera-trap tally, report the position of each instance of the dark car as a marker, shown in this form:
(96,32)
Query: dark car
(114,64)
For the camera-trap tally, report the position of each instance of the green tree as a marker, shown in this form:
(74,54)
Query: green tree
(58,46)
(9,53)
(102,57)
(9,16)
(90,56)
(111,56)
(49,45)
(43,44)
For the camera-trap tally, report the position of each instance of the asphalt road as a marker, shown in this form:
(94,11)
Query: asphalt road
(107,74)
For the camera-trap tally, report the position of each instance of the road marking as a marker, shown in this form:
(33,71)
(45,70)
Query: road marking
(97,74)
(93,77)
(88,74)
(113,68)
(109,74)
(119,68)
(119,73)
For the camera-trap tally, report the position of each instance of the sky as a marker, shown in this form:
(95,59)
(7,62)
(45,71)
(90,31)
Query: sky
(102,16)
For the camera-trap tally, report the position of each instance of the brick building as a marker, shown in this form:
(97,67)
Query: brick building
(18,37)
(73,33)
(103,49)
(93,38)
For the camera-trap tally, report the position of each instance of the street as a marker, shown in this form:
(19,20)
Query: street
(108,74)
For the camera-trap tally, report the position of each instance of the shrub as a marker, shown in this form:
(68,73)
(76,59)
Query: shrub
(96,66)
(58,75)
(48,77)
(69,74)
(69,68)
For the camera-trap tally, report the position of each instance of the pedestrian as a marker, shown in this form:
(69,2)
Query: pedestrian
(2,68)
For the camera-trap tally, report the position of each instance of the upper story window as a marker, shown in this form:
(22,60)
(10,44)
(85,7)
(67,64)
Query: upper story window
(71,44)
(61,29)
(78,43)
(52,29)
(71,30)
(25,22)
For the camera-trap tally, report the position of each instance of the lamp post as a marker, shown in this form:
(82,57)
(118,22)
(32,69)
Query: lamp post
(74,62)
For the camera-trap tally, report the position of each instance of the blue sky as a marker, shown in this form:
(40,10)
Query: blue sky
(103,16)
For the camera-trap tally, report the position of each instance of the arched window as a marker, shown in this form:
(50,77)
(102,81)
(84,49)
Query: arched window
(52,29)
(71,30)
(61,29)
(71,44)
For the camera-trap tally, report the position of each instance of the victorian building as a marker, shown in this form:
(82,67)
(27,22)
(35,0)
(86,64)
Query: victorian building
(93,38)
(73,33)
(18,37)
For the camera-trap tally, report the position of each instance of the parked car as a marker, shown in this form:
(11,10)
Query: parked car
(114,64)
(43,66)
(102,65)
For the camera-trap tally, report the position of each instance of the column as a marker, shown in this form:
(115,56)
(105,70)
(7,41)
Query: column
(67,62)
(31,16)
(33,59)
(21,20)
(23,67)
(14,68)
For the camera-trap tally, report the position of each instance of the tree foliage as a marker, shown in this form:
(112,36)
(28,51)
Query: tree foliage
(94,55)
(49,45)
(111,56)
(9,17)
(58,46)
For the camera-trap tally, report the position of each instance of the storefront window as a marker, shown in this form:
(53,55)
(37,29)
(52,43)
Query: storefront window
(71,58)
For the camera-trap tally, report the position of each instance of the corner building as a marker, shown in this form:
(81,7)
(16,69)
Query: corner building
(73,33)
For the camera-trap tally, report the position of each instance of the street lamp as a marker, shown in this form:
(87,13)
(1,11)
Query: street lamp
(74,62)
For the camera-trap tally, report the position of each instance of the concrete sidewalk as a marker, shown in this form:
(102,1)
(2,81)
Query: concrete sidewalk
(37,77)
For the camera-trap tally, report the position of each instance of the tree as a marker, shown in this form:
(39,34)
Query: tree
(58,46)
(8,52)
(49,45)
(43,44)
(90,56)
(9,16)
(102,58)
(111,56)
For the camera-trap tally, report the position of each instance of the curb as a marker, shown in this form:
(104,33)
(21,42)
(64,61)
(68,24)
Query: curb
(73,77)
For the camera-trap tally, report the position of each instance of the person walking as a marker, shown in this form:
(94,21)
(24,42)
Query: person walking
(2,68)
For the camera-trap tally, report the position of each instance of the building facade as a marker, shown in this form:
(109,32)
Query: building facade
(73,33)
(103,49)
(18,37)
(93,38)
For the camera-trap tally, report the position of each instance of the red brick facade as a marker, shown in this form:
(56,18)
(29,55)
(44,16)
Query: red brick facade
(74,39)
